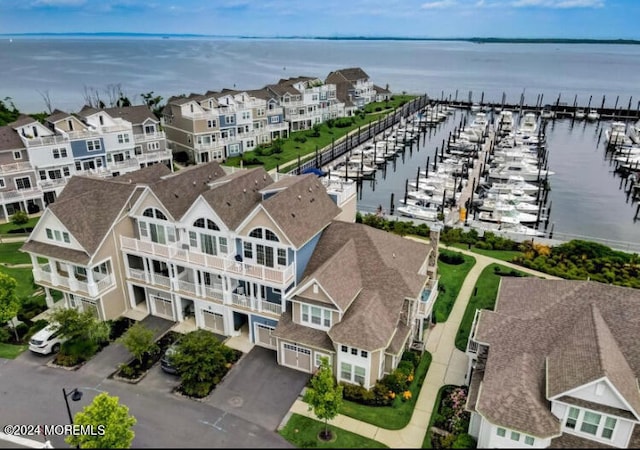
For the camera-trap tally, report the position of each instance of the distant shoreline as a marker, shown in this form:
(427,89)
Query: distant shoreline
(477,40)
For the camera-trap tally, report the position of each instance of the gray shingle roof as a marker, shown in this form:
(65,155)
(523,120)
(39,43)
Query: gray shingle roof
(9,139)
(57,115)
(302,209)
(62,253)
(133,114)
(22,120)
(300,334)
(146,175)
(352,74)
(234,196)
(535,319)
(388,269)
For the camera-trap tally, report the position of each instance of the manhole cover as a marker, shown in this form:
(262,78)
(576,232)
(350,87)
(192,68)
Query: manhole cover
(236,401)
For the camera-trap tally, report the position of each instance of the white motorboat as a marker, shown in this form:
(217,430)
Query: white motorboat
(634,132)
(507,214)
(505,228)
(593,115)
(529,124)
(505,122)
(418,212)
(616,134)
(515,195)
(528,172)
(501,204)
(579,114)
(515,182)
(351,170)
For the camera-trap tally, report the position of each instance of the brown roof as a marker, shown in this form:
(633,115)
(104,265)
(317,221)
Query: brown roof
(572,441)
(177,191)
(234,196)
(54,251)
(88,208)
(260,93)
(9,139)
(57,115)
(535,319)
(302,209)
(381,90)
(281,89)
(146,175)
(351,74)
(399,339)
(133,114)
(300,334)
(22,120)
(597,407)
(388,269)
(87,111)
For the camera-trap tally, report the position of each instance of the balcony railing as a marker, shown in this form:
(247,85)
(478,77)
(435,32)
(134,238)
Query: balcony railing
(21,194)
(15,167)
(51,184)
(46,140)
(156,155)
(226,264)
(472,345)
(425,306)
(144,137)
(43,274)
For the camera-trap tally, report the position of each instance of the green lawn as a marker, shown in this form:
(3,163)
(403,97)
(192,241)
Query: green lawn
(9,253)
(394,102)
(6,227)
(24,277)
(294,148)
(450,282)
(9,351)
(303,432)
(487,291)
(393,417)
(503,255)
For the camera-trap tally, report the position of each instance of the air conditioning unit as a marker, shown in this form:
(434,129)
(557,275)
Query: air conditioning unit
(185,246)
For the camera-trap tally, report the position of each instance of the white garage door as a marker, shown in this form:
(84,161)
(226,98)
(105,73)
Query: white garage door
(213,321)
(163,306)
(296,357)
(263,335)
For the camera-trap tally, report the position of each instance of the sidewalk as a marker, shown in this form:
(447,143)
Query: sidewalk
(448,366)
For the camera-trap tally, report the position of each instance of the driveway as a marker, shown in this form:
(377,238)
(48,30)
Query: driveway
(258,390)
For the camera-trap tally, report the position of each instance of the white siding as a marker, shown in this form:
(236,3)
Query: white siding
(488,438)
(600,392)
(48,220)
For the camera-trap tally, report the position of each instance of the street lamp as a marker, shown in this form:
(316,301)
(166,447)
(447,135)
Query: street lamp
(76,395)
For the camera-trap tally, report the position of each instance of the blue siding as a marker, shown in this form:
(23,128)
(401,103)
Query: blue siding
(79,149)
(223,121)
(279,116)
(259,319)
(304,255)
(273,297)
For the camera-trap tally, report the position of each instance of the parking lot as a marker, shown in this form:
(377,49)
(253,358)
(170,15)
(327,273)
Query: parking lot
(243,411)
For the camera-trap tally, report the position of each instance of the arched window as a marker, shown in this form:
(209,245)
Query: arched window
(153,212)
(211,225)
(263,232)
(264,255)
(270,236)
(256,233)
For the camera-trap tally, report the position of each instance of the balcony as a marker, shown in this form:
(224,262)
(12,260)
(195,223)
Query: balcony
(43,274)
(46,140)
(153,156)
(428,298)
(473,347)
(6,169)
(146,137)
(20,195)
(281,275)
(52,184)
(255,304)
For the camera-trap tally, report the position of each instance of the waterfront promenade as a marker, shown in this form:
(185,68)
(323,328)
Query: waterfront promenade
(448,366)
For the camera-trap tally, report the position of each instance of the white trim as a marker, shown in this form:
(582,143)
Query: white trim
(252,215)
(140,200)
(303,286)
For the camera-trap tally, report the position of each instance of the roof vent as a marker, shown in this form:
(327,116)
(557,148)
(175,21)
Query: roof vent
(299,197)
(310,190)
(293,214)
(256,181)
(244,190)
(228,203)
(194,182)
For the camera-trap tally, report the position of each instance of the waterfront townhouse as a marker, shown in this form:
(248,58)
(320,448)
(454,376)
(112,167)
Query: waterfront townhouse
(216,125)
(353,87)
(18,188)
(306,101)
(235,253)
(556,365)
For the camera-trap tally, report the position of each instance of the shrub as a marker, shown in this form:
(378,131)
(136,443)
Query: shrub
(453,258)
(412,357)
(343,122)
(379,395)
(405,367)
(300,139)
(75,351)
(252,161)
(5,335)
(464,440)
(396,381)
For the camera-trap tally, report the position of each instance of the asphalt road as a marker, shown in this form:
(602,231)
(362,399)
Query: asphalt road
(31,393)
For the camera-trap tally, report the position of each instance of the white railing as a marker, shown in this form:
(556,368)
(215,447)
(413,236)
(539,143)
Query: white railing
(227,264)
(187,286)
(472,345)
(45,140)
(115,128)
(48,184)
(157,155)
(42,274)
(124,164)
(425,307)
(241,300)
(15,167)
(137,274)
(214,293)
(161,280)
(21,194)
(273,308)
(342,189)
(210,146)
(83,134)
(143,137)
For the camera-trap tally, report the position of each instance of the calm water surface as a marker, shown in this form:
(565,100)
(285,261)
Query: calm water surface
(585,195)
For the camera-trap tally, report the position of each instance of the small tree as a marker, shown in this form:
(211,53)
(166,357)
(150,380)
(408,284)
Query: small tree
(138,339)
(20,219)
(277,145)
(9,304)
(200,361)
(324,396)
(110,420)
(77,325)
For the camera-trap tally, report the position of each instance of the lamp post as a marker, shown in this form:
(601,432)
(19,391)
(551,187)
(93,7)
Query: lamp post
(76,395)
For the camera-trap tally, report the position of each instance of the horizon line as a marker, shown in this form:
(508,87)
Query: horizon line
(335,37)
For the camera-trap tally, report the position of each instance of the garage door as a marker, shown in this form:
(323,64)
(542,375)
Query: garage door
(163,306)
(264,337)
(296,357)
(213,321)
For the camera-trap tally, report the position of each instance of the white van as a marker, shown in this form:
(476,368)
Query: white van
(46,341)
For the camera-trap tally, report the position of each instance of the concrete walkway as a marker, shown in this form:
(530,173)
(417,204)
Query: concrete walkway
(448,366)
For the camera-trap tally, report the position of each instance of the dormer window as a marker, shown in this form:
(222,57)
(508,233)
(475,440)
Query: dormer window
(208,243)
(101,119)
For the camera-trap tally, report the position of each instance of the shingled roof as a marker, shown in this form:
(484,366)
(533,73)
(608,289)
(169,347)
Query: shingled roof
(9,139)
(585,330)
(133,114)
(386,267)
(302,209)
(351,74)
(234,196)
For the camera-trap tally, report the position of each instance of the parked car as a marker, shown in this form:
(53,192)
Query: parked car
(165,361)
(46,341)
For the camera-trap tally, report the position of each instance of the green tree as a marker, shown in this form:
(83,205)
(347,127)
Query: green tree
(77,325)
(324,396)
(8,111)
(106,414)
(200,360)
(20,219)
(138,339)
(9,304)
(153,102)
(277,145)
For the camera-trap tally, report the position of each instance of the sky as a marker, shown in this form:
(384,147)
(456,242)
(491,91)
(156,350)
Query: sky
(598,19)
